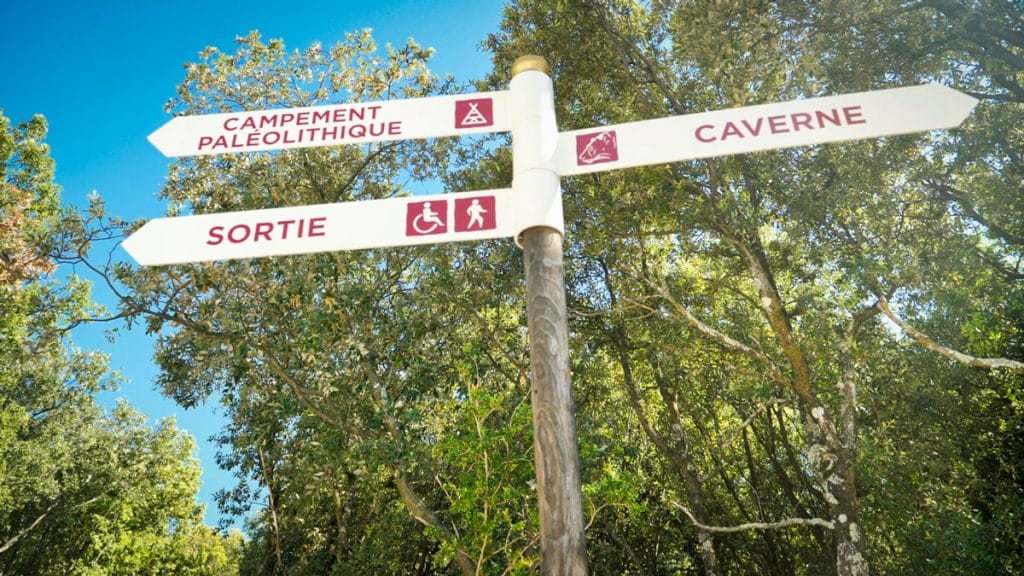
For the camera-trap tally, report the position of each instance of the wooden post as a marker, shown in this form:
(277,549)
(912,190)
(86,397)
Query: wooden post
(559,493)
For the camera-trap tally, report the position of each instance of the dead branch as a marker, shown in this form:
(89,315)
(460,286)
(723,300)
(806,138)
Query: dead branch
(924,340)
(756,525)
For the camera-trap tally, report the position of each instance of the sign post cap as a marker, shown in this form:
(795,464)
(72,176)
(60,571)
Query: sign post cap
(530,62)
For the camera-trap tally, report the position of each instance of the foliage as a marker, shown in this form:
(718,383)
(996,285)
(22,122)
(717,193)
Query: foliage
(745,403)
(82,491)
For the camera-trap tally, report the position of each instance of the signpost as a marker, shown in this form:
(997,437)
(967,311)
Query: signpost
(530,212)
(563,546)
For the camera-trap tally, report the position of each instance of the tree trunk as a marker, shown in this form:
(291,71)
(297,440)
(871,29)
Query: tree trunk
(422,513)
(268,474)
(694,485)
(416,506)
(788,488)
(829,455)
(679,460)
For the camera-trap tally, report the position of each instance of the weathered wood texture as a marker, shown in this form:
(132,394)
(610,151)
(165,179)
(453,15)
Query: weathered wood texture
(563,544)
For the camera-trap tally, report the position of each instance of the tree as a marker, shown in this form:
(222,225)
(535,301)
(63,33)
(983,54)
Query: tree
(768,349)
(81,490)
(338,349)
(785,261)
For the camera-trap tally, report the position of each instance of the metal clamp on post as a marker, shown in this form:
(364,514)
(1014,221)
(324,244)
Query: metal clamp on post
(535,182)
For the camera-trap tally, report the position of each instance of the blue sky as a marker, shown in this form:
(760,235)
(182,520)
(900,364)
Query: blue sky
(100,72)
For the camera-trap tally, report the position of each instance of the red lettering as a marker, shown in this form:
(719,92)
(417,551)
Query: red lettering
(822,116)
(233,238)
(268,231)
(216,235)
(205,141)
(395,128)
(700,130)
(853,115)
(780,124)
(777,124)
(229,120)
(284,224)
(262,229)
(756,129)
(316,226)
(731,130)
(801,119)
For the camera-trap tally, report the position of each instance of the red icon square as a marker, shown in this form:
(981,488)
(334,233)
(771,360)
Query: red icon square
(597,148)
(475,213)
(424,218)
(474,113)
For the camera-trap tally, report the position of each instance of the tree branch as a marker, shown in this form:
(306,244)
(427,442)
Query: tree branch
(847,378)
(723,339)
(14,539)
(951,194)
(649,67)
(923,340)
(416,505)
(756,525)
(723,444)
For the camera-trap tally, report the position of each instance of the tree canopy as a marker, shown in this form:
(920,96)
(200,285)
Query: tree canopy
(803,361)
(83,490)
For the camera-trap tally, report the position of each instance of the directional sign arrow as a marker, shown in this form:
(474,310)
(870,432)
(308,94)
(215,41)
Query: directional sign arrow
(763,127)
(332,125)
(325,228)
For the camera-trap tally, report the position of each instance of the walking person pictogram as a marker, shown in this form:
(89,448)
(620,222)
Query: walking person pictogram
(476,214)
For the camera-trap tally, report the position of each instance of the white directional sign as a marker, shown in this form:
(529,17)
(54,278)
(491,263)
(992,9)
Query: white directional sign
(763,127)
(491,213)
(332,125)
(325,227)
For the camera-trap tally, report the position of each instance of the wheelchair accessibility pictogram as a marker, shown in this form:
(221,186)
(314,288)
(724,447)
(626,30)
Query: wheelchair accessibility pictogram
(424,218)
